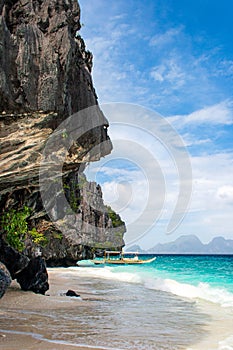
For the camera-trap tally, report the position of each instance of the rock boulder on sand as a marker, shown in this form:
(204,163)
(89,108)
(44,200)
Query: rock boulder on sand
(31,274)
(5,279)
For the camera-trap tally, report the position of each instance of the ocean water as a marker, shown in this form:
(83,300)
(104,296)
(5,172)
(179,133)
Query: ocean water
(207,277)
(176,302)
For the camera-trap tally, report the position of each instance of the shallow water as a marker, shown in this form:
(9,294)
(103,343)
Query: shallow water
(134,307)
(114,315)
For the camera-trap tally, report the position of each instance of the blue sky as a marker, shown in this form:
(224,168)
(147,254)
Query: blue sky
(174,58)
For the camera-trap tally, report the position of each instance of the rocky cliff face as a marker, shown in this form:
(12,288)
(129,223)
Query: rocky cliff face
(87,226)
(43,61)
(45,77)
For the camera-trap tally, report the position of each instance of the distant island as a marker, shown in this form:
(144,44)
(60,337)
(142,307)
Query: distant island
(189,244)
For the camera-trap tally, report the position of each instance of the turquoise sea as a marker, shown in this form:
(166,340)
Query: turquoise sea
(177,302)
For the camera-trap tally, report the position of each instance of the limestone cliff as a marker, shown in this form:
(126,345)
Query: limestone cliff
(43,61)
(45,77)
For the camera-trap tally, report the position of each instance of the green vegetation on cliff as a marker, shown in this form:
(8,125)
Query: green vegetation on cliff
(15,229)
(115,218)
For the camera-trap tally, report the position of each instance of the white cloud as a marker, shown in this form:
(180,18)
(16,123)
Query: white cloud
(225,193)
(165,73)
(224,68)
(159,65)
(159,168)
(166,38)
(211,174)
(210,211)
(170,72)
(154,174)
(128,199)
(190,140)
(218,114)
(212,194)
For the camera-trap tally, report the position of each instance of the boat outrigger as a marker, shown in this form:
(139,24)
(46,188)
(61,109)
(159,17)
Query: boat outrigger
(118,258)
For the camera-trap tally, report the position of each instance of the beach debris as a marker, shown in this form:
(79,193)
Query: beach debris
(71,293)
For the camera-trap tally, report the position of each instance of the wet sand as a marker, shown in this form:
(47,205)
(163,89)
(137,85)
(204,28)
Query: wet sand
(219,331)
(26,342)
(24,336)
(22,312)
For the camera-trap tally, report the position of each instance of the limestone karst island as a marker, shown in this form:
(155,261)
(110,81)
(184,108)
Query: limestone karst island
(45,77)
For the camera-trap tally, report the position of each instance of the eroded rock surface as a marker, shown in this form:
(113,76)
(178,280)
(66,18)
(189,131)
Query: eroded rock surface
(43,61)
(45,77)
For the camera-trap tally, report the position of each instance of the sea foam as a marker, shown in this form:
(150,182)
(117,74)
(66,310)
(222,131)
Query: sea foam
(202,291)
(226,344)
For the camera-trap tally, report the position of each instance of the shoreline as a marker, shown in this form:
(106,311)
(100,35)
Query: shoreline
(16,299)
(34,309)
(219,331)
(14,340)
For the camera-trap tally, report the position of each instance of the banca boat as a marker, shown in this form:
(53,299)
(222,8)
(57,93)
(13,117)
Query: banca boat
(119,258)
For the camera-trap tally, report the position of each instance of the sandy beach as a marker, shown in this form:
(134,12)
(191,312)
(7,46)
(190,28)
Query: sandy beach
(19,342)
(102,318)
(25,336)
